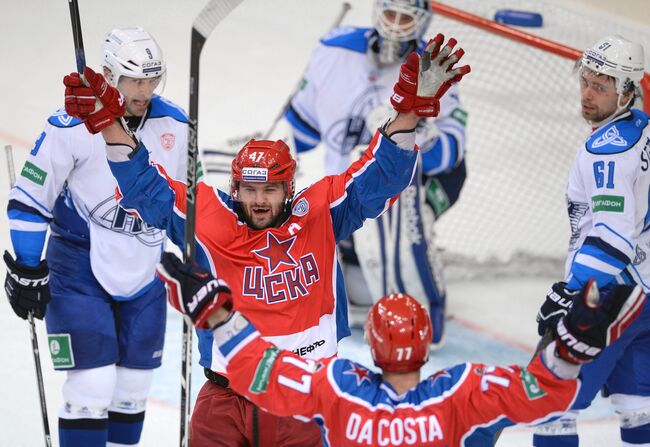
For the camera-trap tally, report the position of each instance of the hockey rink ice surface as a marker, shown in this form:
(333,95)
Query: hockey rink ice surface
(250,64)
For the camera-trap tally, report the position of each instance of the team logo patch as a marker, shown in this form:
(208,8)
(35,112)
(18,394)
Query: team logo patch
(639,255)
(531,386)
(64,119)
(263,371)
(33,173)
(614,204)
(611,136)
(255,174)
(300,208)
(61,350)
(168,140)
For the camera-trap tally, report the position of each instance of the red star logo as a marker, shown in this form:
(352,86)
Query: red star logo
(276,252)
(360,372)
(435,376)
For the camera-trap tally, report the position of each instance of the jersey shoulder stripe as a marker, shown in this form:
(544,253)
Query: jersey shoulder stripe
(618,136)
(63,120)
(348,38)
(161,108)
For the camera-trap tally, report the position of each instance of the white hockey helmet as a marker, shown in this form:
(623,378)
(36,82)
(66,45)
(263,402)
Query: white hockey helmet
(388,14)
(619,58)
(132,52)
(399,23)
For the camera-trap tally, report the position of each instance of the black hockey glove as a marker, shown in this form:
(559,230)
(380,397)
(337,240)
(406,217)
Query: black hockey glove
(193,291)
(556,305)
(588,328)
(27,287)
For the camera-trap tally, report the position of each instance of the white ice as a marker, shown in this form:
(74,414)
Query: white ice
(250,64)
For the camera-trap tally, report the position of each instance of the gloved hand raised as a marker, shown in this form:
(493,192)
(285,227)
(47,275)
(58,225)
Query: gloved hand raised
(27,287)
(588,328)
(81,100)
(423,80)
(192,290)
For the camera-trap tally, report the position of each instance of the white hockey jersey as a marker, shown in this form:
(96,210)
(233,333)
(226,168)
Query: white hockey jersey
(66,182)
(607,200)
(343,85)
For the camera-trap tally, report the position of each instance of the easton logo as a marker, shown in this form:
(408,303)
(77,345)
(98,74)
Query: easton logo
(255,174)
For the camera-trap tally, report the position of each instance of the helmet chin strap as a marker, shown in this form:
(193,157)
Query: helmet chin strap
(620,109)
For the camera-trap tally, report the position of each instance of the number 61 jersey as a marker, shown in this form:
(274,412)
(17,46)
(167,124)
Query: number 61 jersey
(460,406)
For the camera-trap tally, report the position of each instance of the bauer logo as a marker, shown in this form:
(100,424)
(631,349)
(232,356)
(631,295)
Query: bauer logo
(255,174)
(34,173)
(61,350)
(613,204)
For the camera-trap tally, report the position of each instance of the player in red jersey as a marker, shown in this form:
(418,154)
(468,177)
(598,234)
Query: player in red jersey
(459,406)
(277,250)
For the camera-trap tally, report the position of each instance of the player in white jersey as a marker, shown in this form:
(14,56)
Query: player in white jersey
(106,317)
(608,203)
(343,99)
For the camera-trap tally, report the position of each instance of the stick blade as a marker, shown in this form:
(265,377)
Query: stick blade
(213,13)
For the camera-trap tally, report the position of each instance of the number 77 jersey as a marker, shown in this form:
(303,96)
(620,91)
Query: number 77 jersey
(460,406)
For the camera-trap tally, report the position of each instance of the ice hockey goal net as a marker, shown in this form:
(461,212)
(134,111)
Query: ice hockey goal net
(523,131)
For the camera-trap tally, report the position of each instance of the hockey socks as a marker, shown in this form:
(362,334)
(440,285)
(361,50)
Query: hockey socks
(83,432)
(124,429)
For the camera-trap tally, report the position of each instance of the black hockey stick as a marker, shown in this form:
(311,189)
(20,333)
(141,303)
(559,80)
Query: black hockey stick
(209,17)
(32,327)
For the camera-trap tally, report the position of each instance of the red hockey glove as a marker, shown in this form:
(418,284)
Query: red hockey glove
(588,328)
(192,291)
(424,80)
(80,100)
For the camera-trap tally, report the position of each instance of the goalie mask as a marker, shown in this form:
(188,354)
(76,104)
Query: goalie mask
(399,331)
(620,59)
(133,52)
(399,25)
(263,161)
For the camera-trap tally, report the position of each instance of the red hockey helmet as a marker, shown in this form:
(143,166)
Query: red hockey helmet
(399,330)
(263,161)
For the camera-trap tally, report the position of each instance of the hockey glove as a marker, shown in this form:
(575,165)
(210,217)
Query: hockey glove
(423,80)
(27,287)
(81,98)
(557,304)
(193,291)
(588,328)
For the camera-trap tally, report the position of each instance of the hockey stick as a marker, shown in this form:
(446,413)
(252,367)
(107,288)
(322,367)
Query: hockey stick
(217,161)
(209,17)
(80,55)
(593,296)
(344,10)
(32,327)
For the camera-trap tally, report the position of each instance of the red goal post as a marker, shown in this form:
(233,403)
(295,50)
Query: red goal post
(527,39)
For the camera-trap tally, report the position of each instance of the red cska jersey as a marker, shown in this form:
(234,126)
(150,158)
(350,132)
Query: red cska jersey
(460,406)
(287,280)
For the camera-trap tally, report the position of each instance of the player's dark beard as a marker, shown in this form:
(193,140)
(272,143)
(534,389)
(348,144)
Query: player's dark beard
(275,222)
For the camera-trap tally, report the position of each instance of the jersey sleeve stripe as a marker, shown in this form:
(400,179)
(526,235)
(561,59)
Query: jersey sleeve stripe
(594,245)
(45,212)
(604,226)
(596,264)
